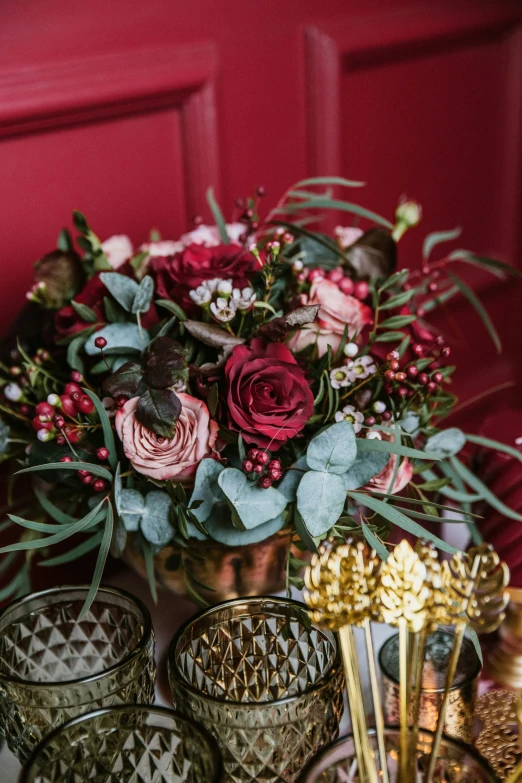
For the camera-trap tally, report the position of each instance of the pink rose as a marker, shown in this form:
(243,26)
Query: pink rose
(381,482)
(209,235)
(347,235)
(336,310)
(118,249)
(164,459)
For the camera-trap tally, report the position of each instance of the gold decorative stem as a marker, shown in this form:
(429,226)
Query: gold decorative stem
(346,650)
(377,706)
(419,669)
(460,630)
(403,698)
(371,767)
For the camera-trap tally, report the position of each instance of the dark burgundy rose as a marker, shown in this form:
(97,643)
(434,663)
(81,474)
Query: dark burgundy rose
(67,321)
(269,399)
(178,274)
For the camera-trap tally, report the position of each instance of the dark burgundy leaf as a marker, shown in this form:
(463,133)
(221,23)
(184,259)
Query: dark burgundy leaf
(124,381)
(164,363)
(374,254)
(158,410)
(277,328)
(213,335)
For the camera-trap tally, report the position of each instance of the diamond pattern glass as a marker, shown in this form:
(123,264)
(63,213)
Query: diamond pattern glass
(53,668)
(264,681)
(126,745)
(457,762)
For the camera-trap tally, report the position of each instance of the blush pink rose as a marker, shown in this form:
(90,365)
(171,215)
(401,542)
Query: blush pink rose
(163,459)
(381,482)
(335,311)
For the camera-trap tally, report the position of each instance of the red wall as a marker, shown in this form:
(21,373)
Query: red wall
(128,110)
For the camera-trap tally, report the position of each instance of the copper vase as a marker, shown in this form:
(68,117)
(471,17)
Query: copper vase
(229,571)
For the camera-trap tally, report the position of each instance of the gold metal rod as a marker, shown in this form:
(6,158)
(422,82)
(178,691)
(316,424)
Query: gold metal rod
(452,668)
(403,698)
(346,650)
(421,640)
(377,705)
(371,766)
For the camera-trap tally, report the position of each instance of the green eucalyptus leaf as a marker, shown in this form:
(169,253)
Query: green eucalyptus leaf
(410,423)
(253,506)
(291,479)
(320,500)
(155,522)
(498,268)
(130,507)
(446,443)
(206,488)
(333,450)
(366,466)
(121,338)
(475,483)
(143,296)
(65,531)
(221,529)
(122,288)
(492,444)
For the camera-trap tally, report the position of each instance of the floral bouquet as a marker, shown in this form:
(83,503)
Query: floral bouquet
(247,378)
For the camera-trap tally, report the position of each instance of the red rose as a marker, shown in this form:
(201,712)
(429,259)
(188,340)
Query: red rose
(269,399)
(183,272)
(67,321)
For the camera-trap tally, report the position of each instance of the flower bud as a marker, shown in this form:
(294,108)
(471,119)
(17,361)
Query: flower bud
(44,435)
(351,350)
(224,288)
(54,400)
(13,392)
(379,406)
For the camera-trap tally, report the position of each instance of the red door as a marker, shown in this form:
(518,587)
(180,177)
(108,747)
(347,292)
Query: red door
(130,110)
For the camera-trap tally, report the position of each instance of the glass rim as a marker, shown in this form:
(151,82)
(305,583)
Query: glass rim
(176,675)
(467,680)
(30,770)
(313,765)
(64,589)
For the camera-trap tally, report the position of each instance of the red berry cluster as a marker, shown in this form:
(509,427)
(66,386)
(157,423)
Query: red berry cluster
(87,478)
(259,463)
(409,380)
(345,284)
(50,415)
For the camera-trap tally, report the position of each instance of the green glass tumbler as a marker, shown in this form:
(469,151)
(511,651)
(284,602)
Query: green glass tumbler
(133,744)
(54,667)
(265,681)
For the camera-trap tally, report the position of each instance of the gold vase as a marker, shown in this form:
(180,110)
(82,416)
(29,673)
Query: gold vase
(229,571)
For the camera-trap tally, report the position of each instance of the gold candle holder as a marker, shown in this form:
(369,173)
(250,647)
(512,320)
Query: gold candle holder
(463,692)
(504,662)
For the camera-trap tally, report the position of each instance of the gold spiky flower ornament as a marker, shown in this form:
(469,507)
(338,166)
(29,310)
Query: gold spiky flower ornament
(347,586)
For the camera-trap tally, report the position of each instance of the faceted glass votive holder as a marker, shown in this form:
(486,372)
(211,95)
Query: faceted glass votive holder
(463,693)
(263,680)
(134,744)
(456,763)
(53,667)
